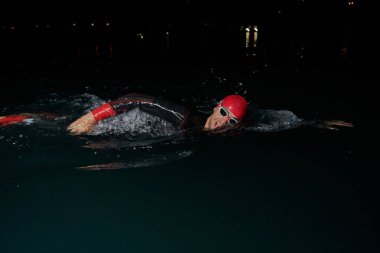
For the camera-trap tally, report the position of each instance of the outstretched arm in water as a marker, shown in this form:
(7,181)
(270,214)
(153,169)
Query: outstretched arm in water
(19,118)
(14,119)
(333,124)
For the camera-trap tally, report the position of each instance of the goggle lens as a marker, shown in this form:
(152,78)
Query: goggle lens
(233,121)
(224,113)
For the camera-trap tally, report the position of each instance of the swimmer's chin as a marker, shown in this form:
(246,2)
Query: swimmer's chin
(213,126)
(219,129)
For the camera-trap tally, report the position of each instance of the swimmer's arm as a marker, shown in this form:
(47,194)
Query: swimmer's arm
(14,119)
(333,124)
(330,124)
(164,109)
(82,125)
(167,110)
(87,122)
(131,101)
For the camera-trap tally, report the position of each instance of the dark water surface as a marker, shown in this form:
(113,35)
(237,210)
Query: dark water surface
(304,190)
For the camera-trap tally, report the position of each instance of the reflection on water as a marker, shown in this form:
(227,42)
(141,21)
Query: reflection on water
(106,166)
(147,160)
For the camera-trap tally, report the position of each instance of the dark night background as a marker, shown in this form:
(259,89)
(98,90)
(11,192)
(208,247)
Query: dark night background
(319,53)
(314,58)
(201,32)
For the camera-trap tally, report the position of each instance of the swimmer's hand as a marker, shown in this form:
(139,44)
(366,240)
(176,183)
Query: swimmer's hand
(82,125)
(333,124)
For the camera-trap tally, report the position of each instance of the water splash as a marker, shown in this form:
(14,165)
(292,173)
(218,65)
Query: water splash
(268,120)
(135,123)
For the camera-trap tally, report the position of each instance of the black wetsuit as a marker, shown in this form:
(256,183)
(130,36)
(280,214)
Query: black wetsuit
(179,116)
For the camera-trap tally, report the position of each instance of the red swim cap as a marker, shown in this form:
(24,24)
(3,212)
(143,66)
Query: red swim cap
(235,104)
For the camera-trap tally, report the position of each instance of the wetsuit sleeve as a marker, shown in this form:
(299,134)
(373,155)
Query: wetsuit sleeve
(173,113)
(166,110)
(19,118)
(13,119)
(123,104)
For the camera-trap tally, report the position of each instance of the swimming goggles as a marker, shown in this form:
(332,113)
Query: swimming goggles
(223,111)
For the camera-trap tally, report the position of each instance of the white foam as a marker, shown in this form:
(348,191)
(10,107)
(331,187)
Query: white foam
(135,123)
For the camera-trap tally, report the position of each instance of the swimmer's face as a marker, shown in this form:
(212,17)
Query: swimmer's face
(220,117)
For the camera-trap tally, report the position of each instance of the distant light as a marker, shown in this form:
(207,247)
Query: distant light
(92,24)
(74,24)
(12,27)
(37,26)
(255,35)
(108,24)
(344,52)
(47,26)
(167,33)
(247,36)
(140,36)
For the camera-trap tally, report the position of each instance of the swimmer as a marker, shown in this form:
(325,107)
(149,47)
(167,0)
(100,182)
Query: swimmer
(229,112)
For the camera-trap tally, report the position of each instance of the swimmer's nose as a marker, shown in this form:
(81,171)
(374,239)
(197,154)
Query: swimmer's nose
(221,121)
